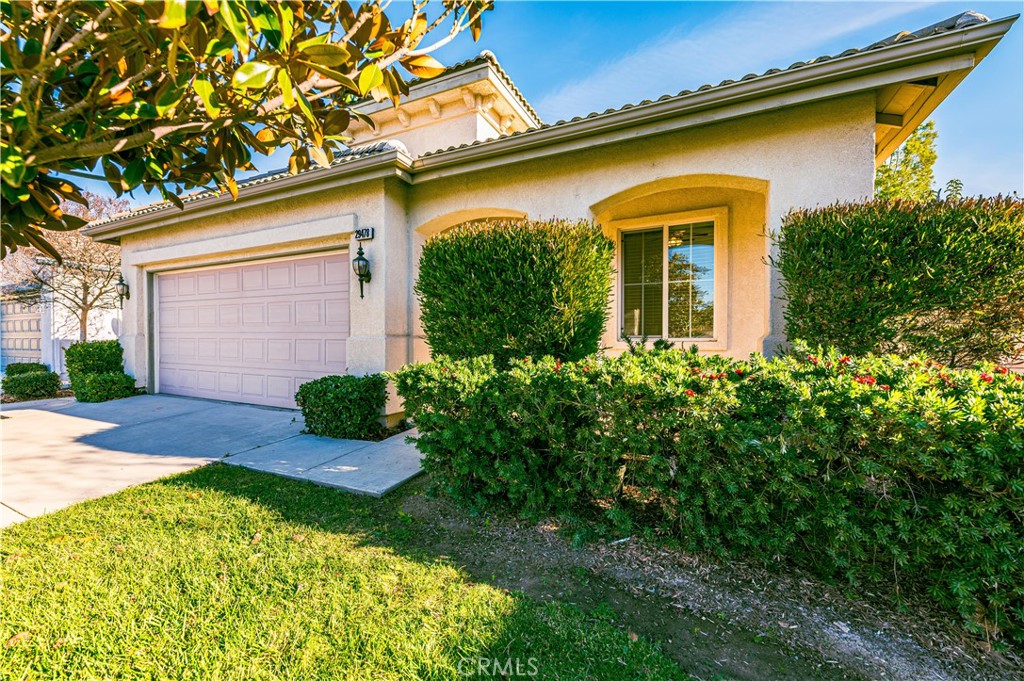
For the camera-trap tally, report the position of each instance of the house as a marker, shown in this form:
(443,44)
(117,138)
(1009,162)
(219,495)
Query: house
(245,300)
(33,328)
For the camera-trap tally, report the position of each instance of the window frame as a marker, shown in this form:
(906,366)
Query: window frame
(719,216)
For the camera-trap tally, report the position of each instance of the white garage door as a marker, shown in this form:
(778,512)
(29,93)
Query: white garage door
(255,332)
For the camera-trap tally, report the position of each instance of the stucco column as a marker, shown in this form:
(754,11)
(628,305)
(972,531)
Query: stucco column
(133,330)
(379,327)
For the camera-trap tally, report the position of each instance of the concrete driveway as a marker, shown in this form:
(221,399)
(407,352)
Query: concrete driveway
(59,452)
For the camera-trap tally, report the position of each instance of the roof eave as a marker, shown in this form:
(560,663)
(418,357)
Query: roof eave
(378,166)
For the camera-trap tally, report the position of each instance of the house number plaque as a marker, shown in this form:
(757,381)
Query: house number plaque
(364,233)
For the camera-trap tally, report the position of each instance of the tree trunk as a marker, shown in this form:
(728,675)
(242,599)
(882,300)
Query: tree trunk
(83,313)
(83,324)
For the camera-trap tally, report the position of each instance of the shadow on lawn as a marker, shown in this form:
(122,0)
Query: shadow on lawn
(540,564)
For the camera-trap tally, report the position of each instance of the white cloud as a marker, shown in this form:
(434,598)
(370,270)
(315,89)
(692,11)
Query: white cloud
(729,45)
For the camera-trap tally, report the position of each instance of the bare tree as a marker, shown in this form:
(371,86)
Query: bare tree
(85,281)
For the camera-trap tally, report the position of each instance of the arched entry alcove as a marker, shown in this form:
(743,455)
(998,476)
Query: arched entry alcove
(668,230)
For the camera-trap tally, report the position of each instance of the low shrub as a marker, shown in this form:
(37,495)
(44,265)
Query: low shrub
(514,288)
(347,407)
(19,368)
(100,387)
(870,469)
(32,385)
(94,357)
(945,278)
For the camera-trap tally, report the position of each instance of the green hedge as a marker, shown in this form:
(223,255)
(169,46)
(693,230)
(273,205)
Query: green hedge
(945,278)
(32,385)
(515,288)
(101,387)
(94,357)
(348,407)
(19,368)
(862,468)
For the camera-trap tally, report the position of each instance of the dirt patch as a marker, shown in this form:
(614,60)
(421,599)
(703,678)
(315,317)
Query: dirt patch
(734,621)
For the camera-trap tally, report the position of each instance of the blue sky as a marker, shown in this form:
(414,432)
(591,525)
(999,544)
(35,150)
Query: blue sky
(571,58)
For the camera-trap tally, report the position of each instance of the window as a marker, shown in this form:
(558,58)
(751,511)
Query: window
(668,281)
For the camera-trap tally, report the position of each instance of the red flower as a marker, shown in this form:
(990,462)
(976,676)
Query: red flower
(812,359)
(884,387)
(586,369)
(867,380)
(986,377)
(828,364)
(558,364)
(739,372)
(1002,370)
(845,359)
(690,393)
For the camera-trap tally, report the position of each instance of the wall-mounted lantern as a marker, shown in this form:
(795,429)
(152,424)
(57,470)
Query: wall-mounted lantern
(123,292)
(361,266)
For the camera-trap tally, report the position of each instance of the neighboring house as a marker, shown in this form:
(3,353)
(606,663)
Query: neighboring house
(33,329)
(21,314)
(245,300)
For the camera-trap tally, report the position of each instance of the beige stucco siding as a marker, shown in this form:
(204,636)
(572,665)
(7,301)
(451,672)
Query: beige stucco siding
(804,156)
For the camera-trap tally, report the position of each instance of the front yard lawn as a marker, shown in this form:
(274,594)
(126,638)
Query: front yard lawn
(224,573)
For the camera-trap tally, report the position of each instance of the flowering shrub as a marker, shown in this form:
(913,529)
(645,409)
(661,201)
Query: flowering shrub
(868,468)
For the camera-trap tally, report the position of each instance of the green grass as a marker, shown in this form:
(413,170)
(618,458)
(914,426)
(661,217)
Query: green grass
(223,573)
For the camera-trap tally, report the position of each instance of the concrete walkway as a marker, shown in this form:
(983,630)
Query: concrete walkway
(59,452)
(373,468)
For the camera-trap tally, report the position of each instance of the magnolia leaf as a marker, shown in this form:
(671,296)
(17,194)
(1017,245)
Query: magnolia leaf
(287,23)
(423,66)
(253,75)
(327,54)
(318,155)
(133,173)
(232,17)
(337,76)
(316,40)
(370,78)
(307,111)
(168,96)
(205,90)
(175,14)
(285,81)
(232,186)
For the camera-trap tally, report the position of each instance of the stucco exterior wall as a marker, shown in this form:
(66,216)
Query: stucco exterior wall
(804,156)
(754,169)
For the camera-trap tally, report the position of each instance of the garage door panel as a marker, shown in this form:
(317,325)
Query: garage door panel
(253,333)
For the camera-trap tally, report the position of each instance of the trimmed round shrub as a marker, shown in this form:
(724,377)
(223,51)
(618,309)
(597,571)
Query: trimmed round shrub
(19,368)
(944,278)
(94,357)
(347,407)
(32,385)
(101,387)
(515,288)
